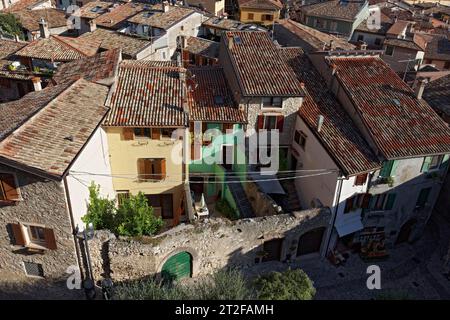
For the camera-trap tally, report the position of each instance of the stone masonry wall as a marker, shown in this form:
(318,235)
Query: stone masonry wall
(262,204)
(213,244)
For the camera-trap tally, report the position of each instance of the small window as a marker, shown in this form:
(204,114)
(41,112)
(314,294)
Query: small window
(33,269)
(250,16)
(151,169)
(377,41)
(182,28)
(267,17)
(36,234)
(272,102)
(447,65)
(9,191)
(389,50)
(423,197)
(167,132)
(360,179)
(360,38)
(431,163)
(300,139)
(162,204)
(270,122)
(142,133)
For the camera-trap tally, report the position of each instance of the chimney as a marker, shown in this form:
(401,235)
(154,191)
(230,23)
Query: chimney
(420,87)
(165,6)
(230,43)
(16,38)
(36,83)
(92,25)
(183,41)
(320,120)
(43,29)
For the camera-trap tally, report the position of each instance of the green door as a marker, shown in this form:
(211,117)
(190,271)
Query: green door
(177,267)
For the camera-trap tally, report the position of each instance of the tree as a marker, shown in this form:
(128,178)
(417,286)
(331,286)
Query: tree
(132,217)
(289,285)
(10,25)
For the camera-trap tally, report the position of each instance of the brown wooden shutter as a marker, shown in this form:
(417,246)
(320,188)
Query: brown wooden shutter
(163,168)
(280,122)
(148,172)
(9,186)
(360,179)
(260,122)
(366,201)
(128,134)
(17,231)
(50,240)
(141,169)
(156,133)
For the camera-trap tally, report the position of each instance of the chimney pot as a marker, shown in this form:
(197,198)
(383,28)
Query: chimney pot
(36,83)
(43,29)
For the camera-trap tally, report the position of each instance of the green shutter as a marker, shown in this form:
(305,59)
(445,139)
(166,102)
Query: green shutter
(394,168)
(444,163)
(423,197)
(426,164)
(390,201)
(387,168)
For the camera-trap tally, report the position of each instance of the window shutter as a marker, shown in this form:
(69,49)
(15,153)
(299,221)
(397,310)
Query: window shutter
(386,169)
(260,122)
(426,164)
(280,122)
(50,240)
(141,169)
(444,163)
(128,134)
(163,168)
(393,168)
(348,205)
(9,186)
(366,201)
(390,201)
(19,237)
(148,172)
(156,133)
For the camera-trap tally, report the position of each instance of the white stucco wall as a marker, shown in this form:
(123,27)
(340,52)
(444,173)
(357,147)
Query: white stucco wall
(93,159)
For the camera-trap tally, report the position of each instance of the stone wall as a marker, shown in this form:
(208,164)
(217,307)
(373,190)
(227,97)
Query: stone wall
(44,204)
(262,204)
(213,244)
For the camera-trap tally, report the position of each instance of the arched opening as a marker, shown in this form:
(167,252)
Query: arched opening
(310,241)
(177,267)
(405,231)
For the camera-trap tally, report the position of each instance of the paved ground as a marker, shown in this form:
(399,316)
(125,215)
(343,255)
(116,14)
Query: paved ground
(416,271)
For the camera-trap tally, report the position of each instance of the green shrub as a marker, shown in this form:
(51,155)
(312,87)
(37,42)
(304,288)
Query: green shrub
(223,285)
(224,207)
(289,285)
(10,25)
(132,217)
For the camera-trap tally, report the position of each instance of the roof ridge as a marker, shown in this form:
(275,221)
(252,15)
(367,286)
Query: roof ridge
(61,39)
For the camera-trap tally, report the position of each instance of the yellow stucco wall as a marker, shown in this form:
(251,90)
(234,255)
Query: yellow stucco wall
(257,16)
(124,155)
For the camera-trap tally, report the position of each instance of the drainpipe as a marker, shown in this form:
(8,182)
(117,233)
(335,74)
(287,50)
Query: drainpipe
(335,214)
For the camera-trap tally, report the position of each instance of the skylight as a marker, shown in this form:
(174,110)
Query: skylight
(218,100)
(237,40)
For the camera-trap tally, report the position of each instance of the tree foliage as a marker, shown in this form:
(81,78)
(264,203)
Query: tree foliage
(289,285)
(132,217)
(10,25)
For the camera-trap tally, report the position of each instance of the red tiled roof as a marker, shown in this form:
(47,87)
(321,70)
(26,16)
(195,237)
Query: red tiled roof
(58,48)
(334,9)
(100,67)
(50,140)
(260,69)
(9,47)
(398,27)
(260,4)
(116,18)
(148,95)
(338,134)
(400,124)
(205,86)
(30,18)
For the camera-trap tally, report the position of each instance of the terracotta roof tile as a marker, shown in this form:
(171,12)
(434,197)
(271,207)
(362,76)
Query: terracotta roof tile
(437,94)
(50,140)
(160,19)
(438,48)
(202,47)
(399,123)
(260,4)
(334,9)
(148,95)
(338,134)
(30,18)
(58,48)
(116,17)
(210,98)
(259,66)
(9,47)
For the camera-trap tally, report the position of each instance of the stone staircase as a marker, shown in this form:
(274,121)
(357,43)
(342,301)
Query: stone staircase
(293,203)
(237,190)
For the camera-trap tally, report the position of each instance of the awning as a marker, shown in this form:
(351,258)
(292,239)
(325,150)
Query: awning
(350,225)
(268,183)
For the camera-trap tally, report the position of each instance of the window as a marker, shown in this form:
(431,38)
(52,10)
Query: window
(300,138)
(377,41)
(361,179)
(33,236)
(151,169)
(272,102)
(142,132)
(182,28)
(333,25)
(423,197)
(267,17)
(250,16)
(389,168)
(383,201)
(318,23)
(122,194)
(390,201)
(162,204)
(167,132)
(9,191)
(360,38)
(358,201)
(269,122)
(434,163)
(447,65)
(192,58)
(389,50)
(33,269)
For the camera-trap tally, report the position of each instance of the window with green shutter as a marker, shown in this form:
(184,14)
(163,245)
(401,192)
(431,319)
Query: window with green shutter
(389,168)
(423,197)
(390,201)
(426,164)
(444,163)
